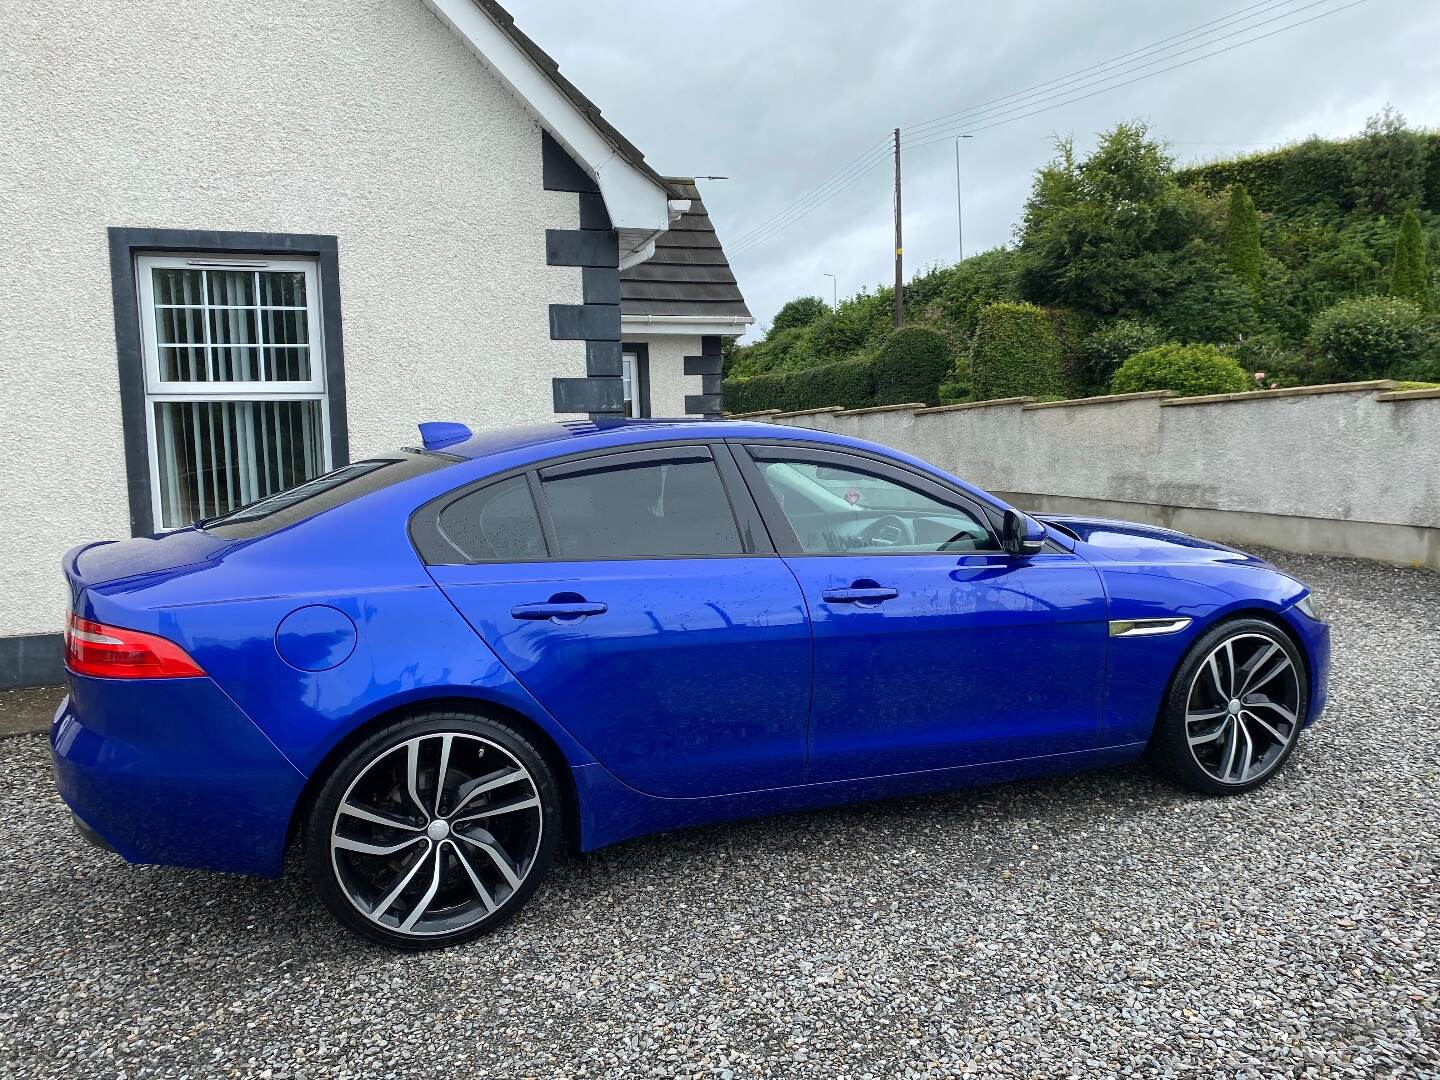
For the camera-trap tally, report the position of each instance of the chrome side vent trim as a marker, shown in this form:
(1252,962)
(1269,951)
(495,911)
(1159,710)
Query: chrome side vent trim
(1147,627)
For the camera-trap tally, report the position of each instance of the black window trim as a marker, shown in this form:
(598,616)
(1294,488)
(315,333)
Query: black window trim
(434,549)
(125,245)
(783,535)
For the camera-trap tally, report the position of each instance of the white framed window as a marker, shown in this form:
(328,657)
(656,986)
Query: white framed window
(235,394)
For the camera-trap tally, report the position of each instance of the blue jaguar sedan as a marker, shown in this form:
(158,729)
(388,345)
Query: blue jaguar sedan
(433,668)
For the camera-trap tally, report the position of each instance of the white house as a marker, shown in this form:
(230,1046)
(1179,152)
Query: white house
(245,242)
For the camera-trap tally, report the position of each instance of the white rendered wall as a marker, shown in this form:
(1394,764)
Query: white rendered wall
(364,119)
(668,382)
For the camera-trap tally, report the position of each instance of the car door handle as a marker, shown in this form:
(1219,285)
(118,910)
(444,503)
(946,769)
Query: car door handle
(860,595)
(569,609)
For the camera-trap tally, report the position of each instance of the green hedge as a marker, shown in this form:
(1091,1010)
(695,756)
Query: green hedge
(1296,180)
(1189,370)
(911,365)
(850,383)
(1016,353)
(1373,337)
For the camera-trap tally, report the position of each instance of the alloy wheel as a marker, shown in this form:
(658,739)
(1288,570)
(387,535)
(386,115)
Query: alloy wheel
(1242,711)
(436,833)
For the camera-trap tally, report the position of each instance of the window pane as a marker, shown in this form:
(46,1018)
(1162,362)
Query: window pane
(677,509)
(497,522)
(839,510)
(184,365)
(229,287)
(173,285)
(180,325)
(286,328)
(216,456)
(282,289)
(291,364)
(232,337)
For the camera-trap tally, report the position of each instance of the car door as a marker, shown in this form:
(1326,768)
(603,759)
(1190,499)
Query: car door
(933,648)
(643,608)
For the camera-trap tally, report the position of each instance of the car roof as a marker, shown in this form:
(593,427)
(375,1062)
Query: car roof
(526,444)
(560,437)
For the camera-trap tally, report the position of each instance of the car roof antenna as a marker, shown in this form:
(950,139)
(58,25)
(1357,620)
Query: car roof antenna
(437,433)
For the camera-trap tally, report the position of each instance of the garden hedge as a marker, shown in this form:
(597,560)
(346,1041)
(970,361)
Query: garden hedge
(1189,370)
(1016,353)
(849,383)
(911,365)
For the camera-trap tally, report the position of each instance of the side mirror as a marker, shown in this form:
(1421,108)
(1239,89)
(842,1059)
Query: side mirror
(1021,535)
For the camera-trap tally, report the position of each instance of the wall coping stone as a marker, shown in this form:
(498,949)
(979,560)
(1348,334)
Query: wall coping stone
(911,405)
(1292,391)
(748,415)
(974,405)
(1104,399)
(1409,395)
(811,412)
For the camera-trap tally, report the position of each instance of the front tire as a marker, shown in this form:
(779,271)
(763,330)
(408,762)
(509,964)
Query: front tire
(1234,709)
(433,831)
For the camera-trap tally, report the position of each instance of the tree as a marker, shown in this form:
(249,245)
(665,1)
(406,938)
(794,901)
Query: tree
(1387,166)
(802,311)
(1242,239)
(1409,274)
(1101,236)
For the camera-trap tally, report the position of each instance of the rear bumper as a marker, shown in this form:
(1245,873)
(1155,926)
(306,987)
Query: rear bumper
(170,771)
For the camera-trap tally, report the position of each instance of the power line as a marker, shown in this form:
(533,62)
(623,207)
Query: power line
(1247,13)
(1151,75)
(1057,98)
(991,114)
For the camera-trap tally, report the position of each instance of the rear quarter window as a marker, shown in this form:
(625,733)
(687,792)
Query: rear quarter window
(335,488)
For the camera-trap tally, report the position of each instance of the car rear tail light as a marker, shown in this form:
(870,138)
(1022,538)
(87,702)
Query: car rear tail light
(111,652)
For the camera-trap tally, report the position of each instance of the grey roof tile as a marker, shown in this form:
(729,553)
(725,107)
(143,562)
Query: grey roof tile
(688,274)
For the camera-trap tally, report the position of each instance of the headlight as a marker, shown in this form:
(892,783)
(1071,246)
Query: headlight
(1306,605)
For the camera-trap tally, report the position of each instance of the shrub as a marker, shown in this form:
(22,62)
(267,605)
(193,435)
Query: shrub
(802,311)
(850,383)
(911,365)
(1242,239)
(1409,274)
(1015,354)
(1373,337)
(1101,353)
(1189,370)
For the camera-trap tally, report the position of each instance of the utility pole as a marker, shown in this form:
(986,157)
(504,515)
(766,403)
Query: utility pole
(959,215)
(834,292)
(899,243)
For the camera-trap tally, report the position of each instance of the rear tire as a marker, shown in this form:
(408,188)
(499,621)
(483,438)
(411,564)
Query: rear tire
(433,831)
(1234,709)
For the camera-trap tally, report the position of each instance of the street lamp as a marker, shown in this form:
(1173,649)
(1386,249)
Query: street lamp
(834,292)
(959,215)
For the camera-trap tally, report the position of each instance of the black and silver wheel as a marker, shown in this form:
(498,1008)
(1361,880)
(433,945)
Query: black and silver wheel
(434,831)
(1234,710)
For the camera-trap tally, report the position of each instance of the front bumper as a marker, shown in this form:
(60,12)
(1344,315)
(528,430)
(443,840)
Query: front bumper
(170,771)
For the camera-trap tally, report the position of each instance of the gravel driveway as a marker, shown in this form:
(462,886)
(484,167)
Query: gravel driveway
(1096,924)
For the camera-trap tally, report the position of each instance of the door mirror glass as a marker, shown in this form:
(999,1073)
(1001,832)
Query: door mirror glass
(1021,535)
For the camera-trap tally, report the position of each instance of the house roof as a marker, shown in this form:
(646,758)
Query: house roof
(546,63)
(688,275)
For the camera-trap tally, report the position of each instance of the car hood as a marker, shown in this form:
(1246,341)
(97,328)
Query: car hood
(1132,541)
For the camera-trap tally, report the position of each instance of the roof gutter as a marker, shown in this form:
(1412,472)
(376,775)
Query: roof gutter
(728,325)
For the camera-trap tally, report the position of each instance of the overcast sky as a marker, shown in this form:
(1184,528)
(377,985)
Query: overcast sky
(781,95)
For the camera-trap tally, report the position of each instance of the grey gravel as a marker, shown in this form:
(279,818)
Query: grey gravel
(1104,924)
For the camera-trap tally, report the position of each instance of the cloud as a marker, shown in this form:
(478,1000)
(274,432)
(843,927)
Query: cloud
(782,96)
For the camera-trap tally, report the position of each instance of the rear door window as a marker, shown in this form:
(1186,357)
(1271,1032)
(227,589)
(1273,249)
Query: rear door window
(640,508)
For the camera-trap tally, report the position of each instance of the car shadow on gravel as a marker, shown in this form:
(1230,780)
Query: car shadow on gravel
(189,918)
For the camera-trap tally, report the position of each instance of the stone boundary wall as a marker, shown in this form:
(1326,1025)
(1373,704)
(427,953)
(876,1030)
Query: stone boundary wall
(1347,469)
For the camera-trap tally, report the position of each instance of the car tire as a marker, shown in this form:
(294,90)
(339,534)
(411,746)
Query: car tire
(434,830)
(1234,709)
